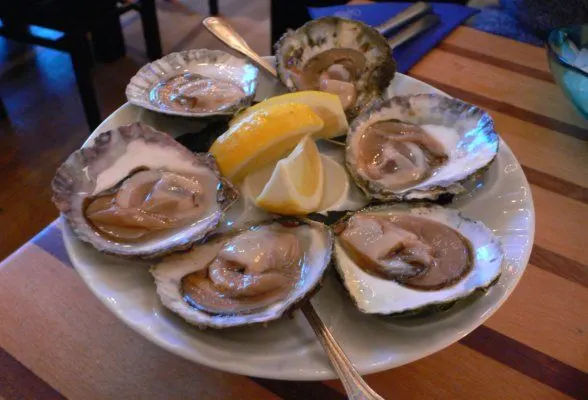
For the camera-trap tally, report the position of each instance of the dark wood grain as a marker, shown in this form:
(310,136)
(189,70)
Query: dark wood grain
(19,382)
(567,268)
(556,185)
(471,41)
(294,390)
(529,361)
(511,65)
(506,108)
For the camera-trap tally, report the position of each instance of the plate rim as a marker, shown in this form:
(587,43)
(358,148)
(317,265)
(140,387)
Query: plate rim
(255,371)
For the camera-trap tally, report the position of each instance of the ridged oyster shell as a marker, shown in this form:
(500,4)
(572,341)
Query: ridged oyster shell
(316,242)
(295,48)
(374,295)
(471,147)
(114,155)
(214,64)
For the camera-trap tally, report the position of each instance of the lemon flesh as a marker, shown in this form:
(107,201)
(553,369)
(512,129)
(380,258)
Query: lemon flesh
(326,105)
(334,197)
(296,184)
(263,136)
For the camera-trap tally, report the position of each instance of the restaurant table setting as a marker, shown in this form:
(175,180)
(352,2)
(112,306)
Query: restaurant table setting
(279,227)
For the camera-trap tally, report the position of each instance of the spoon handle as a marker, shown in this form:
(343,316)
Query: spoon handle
(355,386)
(226,34)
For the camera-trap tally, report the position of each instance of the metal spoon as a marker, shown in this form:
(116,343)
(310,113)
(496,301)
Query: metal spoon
(226,34)
(355,387)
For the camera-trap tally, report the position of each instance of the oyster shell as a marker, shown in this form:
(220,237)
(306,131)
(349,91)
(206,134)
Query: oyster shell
(136,192)
(250,276)
(399,259)
(337,55)
(419,147)
(195,83)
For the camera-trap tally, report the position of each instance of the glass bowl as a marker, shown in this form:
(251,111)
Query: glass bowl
(561,53)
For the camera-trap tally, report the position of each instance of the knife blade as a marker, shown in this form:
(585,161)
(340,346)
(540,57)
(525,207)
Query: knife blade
(412,12)
(413,30)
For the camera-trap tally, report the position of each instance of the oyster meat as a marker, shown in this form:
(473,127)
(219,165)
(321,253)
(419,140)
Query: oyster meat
(403,259)
(245,277)
(137,192)
(337,55)
(196,83)
(419,147)
(196,93)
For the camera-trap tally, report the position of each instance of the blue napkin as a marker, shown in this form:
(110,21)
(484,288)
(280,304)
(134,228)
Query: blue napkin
(408,54)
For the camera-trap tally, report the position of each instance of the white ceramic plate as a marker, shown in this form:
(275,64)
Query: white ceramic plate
(287,349)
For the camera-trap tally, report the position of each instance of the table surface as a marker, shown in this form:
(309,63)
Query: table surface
(58,341)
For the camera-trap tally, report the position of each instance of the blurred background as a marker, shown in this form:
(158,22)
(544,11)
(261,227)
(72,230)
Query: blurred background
(45,119)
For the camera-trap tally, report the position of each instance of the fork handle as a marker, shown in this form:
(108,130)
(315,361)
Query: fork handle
(355,387)
(226,34)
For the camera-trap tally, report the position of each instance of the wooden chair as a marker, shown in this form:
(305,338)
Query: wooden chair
(78,20)
(3,113)
(213,7)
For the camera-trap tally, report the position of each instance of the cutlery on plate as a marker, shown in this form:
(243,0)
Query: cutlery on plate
(413,30)
(355,387)
(226,34)
(412,12)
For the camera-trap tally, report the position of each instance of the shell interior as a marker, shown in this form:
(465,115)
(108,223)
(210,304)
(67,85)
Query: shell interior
(374,295)
(466,133)
(183,71)
(112,157)
(316,243)
(296,48)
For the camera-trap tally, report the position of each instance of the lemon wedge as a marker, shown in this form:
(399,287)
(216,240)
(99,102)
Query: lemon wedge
(335,198)
(296,184)
(326,105)
(263,136)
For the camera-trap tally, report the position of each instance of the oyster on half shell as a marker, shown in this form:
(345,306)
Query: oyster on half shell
(337,55)
(399,259)
(245,277)
(136,192)
(194,83)
(419,147)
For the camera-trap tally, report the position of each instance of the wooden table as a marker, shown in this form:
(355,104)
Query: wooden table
(57,340)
